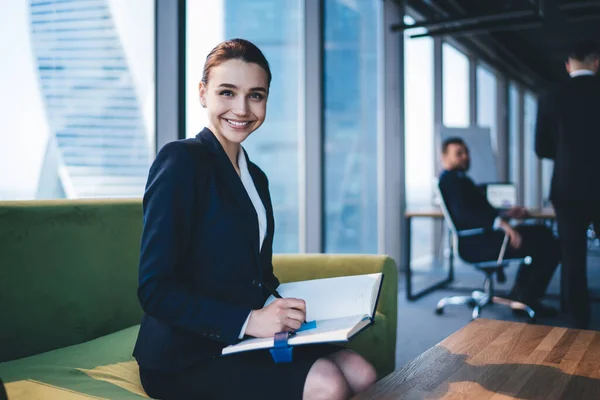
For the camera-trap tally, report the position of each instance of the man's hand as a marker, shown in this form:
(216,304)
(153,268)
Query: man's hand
(282,315)
(513,236)
(517,213)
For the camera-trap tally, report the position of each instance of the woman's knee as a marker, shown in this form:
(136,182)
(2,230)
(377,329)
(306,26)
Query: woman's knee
(325,381)
(359,372)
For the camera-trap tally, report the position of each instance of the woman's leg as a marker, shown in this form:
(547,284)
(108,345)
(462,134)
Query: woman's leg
(325,380)
(359,373)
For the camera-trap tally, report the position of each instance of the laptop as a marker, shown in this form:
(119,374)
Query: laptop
(502,196)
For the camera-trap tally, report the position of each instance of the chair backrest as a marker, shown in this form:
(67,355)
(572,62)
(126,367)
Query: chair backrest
(450,221)
(468,232)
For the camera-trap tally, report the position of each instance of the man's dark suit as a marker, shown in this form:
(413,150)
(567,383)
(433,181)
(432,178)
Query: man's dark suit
(568,132)
(200,268)
(469,209)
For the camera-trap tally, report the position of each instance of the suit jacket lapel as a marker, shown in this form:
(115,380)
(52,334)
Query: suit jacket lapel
(232,182)
(263,192)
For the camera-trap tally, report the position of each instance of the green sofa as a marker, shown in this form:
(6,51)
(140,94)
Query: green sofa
(69,313)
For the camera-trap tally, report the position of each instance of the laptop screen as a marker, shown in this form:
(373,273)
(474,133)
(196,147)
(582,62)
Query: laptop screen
(501,195)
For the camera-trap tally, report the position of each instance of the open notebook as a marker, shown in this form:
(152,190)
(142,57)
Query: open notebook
(341,307)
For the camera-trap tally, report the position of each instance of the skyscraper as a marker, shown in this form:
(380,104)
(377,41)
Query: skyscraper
(98,145)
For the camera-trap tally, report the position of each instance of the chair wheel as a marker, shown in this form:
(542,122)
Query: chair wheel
(439,311)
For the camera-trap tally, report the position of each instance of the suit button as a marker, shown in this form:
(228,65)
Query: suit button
(256,283)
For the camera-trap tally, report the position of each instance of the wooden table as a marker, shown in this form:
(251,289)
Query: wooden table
(545,214)
(500,360)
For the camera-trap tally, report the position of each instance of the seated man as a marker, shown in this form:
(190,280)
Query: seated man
(470,209)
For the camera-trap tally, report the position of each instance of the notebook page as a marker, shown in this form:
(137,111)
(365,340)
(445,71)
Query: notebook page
(374,295)
(333,298)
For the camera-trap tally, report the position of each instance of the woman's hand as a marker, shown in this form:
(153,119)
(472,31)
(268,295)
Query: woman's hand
(282,315)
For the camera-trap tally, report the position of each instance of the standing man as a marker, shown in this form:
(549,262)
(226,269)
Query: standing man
(568,132)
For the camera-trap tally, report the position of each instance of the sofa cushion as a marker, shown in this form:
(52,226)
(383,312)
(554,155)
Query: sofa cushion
(63,367)
(105,368)
(34,390)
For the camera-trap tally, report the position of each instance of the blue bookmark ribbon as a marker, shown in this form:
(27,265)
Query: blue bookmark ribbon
(281,351)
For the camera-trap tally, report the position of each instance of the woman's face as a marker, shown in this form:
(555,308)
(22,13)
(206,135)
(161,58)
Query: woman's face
(236,99)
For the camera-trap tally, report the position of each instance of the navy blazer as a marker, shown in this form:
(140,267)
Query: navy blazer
(201,270)
(467,206)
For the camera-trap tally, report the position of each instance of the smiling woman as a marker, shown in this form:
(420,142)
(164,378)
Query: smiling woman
(234,91)
(206,259)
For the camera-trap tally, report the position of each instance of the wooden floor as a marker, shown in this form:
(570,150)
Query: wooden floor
(501,360)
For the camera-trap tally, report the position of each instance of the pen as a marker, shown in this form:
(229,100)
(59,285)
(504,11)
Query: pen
(274,292)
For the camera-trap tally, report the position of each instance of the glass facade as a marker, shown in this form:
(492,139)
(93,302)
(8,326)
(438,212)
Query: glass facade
(547,170)
(456,97)
(514,134)
(419,143)
(487,103)
(532,163)
(274,147)
(77,98)
(351,58)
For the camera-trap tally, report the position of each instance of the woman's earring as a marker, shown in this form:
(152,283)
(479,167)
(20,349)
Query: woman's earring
(203,104)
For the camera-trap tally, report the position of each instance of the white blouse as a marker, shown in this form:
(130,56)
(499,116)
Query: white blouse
(258,206)
(253,194)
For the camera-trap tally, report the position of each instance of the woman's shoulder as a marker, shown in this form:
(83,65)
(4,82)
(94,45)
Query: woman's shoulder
(183,158)
(190,145)
(191,149)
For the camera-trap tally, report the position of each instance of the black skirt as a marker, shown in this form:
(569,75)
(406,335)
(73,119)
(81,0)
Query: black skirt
(248,375)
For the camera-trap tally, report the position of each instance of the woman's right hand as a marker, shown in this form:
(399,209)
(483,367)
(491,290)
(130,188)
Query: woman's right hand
(282,315)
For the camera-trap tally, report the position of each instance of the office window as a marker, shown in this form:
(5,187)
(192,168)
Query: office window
(455,87)
(532,165)
(487,103)
(547,171)
(419,143)
(514,134)
(351,62)
(77,98)
(278,32)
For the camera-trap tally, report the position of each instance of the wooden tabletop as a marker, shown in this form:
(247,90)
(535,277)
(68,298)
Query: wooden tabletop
(435,212)
(500,360)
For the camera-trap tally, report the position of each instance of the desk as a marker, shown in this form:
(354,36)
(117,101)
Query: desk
(546,214)
(500,360)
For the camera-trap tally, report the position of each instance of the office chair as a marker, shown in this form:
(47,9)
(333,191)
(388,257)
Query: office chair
(480,299)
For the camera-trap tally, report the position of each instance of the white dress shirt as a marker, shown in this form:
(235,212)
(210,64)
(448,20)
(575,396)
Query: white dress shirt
(261,212)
